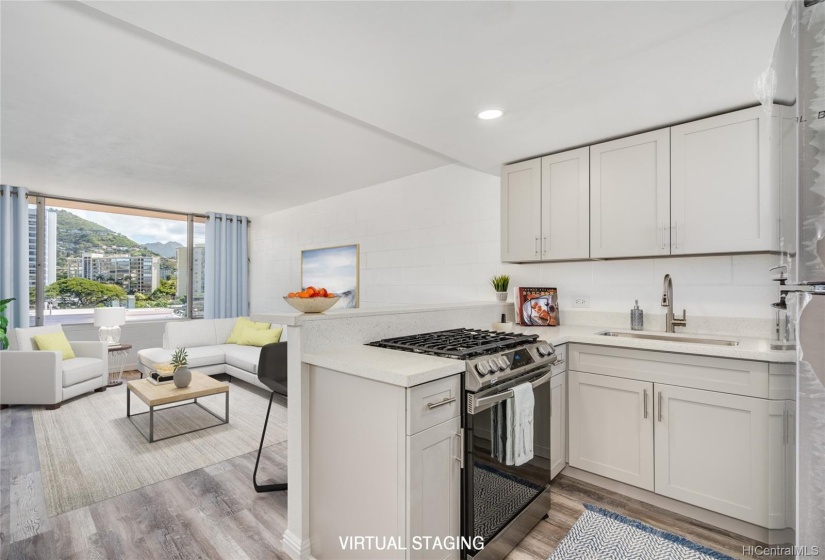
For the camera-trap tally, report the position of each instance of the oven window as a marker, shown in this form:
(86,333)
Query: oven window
(501,491)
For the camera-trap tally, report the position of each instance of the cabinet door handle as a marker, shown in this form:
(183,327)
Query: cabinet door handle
(460,457)
(660,406)
(447,400)
(676,234)
(645,398)
(663,236)
(543,245)
(537,245)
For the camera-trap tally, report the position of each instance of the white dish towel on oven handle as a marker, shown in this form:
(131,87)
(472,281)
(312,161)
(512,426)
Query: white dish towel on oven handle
(520,425)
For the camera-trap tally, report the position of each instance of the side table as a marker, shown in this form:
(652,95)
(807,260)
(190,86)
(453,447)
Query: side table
(117,357)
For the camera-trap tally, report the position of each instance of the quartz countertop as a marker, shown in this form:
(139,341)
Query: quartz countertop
(407,369)
(396,367)
(757,349)
(293,318)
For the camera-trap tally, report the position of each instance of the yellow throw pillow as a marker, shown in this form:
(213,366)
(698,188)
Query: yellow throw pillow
(56,342)
(241,324)
(252,337)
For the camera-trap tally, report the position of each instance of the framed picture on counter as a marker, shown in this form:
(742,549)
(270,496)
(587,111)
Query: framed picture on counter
(537,307)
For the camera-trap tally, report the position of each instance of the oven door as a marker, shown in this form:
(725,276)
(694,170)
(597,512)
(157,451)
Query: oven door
(502,503)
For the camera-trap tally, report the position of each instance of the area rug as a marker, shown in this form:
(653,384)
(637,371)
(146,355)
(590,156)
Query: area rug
(89,450)
(605,535)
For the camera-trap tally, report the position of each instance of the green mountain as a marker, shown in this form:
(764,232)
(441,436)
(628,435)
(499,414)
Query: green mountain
(76,235)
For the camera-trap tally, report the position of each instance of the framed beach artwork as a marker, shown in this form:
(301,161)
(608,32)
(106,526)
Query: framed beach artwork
(333,268)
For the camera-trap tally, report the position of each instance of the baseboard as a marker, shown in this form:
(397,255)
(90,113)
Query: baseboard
(296,548)
(761,534)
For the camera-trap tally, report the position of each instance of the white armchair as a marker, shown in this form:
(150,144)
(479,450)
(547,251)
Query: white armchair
(31,376)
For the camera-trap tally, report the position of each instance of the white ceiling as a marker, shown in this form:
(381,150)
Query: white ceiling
(251,107)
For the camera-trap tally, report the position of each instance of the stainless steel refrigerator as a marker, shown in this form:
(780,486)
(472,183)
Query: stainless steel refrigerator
(793,90)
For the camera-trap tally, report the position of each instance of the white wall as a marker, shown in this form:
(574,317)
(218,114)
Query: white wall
(426,238)
(434,237)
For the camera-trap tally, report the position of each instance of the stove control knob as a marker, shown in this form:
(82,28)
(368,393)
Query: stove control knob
(544,350)
(493,365)
(483,368)
(503,363)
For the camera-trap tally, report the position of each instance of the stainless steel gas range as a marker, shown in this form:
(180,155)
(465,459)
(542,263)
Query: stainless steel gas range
(501,503)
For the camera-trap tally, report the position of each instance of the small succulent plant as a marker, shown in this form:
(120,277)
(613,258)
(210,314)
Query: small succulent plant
(500,283)
(179,359)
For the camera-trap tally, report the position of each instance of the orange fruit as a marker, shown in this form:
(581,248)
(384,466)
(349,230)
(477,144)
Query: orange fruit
(291,294)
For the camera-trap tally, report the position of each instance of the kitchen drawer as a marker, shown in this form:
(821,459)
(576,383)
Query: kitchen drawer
(724,375)
(433,403)
(561,364)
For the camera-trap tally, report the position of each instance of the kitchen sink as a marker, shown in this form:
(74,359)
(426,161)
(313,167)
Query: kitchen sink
(672,338)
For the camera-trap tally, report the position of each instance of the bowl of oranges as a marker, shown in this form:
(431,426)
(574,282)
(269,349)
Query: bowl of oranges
(312,300)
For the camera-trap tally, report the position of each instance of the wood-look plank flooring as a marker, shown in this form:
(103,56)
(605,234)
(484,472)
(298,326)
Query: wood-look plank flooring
(214,513)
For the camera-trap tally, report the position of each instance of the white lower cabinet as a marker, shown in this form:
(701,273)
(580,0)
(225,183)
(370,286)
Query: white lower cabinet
(712,451)
(558,424)
(384,463)
(731,454)
(611,427)
(434,487)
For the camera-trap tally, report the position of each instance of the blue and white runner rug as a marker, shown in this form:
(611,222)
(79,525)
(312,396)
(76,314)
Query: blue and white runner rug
(604,535)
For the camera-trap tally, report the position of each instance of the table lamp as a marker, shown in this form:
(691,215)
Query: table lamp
(109,320)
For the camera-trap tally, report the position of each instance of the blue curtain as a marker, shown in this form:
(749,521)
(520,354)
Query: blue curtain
(226,285)
(14,253)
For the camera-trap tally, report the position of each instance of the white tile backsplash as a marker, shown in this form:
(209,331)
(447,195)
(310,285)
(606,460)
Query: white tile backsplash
(434,238)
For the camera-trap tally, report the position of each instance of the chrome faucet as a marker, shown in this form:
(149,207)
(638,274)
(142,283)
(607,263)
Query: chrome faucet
(671,322)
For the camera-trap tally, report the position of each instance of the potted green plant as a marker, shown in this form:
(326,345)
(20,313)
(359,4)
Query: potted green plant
(500,283)
(181,373)
(4,323)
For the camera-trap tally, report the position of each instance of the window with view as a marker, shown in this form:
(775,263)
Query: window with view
(108,256)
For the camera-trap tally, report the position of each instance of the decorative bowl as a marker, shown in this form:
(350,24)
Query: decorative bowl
(312,305)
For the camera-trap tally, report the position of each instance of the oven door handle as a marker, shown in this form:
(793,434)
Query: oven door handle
(504,395)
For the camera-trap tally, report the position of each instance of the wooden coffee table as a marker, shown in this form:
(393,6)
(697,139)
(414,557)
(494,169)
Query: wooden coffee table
(159,395)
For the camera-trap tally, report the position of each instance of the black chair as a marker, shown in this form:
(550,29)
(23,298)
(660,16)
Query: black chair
(272,373)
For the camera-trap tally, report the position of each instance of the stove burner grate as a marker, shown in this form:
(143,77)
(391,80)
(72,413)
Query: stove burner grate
(457,343)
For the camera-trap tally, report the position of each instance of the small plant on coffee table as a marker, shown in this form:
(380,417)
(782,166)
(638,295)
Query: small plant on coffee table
(179,359)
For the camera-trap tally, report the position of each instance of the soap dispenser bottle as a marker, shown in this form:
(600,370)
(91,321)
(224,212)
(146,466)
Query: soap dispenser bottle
(637,318)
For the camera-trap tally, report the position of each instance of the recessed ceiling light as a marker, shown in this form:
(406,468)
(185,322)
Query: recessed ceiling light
(488,114)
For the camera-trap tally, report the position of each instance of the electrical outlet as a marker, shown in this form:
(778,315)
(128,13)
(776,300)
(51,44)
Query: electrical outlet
(581,301)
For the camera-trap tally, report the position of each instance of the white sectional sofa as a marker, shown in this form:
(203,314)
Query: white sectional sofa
(205,343)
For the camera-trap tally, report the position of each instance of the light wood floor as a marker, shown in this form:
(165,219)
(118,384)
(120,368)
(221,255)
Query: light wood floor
(214,513)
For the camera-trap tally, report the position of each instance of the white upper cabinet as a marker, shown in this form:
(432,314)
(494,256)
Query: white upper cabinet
(565,205)
(723,190)
(630,196)
(545,208)
(521,211)
(704,187)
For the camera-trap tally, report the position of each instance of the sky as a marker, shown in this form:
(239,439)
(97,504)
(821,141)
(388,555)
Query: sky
(137,228)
